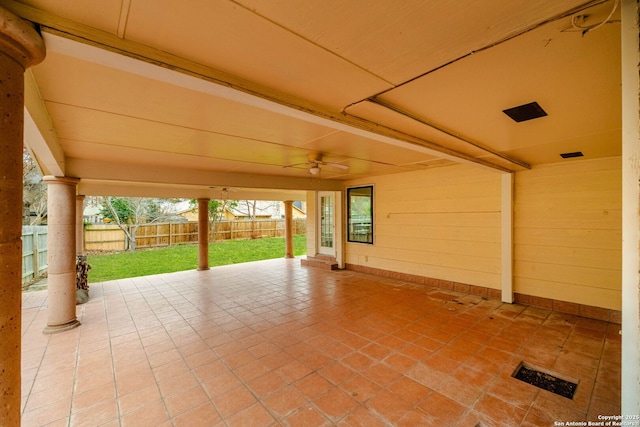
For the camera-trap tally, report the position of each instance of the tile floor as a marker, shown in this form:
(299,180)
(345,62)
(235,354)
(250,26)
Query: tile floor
(275,343)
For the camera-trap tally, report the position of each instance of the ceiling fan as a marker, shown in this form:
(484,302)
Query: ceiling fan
(315,163)
(224,190)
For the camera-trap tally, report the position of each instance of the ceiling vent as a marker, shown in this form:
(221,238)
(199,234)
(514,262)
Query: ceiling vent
(525,112)
(570,155)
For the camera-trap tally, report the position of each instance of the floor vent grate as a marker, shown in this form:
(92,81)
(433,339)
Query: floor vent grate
(545,381)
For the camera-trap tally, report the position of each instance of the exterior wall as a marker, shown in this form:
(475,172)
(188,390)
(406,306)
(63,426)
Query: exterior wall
(441,223)
(568,232)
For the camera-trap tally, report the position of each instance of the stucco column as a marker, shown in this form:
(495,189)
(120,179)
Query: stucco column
(80,224)
(20,48)
(61,254)
(203,234)
(288,228)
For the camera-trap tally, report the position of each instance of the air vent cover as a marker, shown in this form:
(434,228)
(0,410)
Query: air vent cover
(525,112)
(570,155)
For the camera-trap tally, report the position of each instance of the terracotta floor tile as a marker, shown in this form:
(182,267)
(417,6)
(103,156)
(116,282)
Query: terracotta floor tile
(266,384)
(358,361)
(390,406)
(410,390)
(47,413)
(254,415)
(185,400)
(209,370)
(499,410)
(151,415)
(135,400)
(251,370)
(293,371)
(514,391)
(307,416)
(315,360)
(177,384)
(202,358)
(363,417)
(335,404)
(285,401)
(459,391)
(299,346)
(380,374)
(427,376)
(276,360)
(360,388)
(337,373)
(203,415)
(313,385)
(170,370)
(96,415)
(442,410)
(82,401)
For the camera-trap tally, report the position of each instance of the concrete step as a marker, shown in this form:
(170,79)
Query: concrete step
(320,261)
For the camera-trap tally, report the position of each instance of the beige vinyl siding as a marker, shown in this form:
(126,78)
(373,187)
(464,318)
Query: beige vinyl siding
(442,223)
(567,232)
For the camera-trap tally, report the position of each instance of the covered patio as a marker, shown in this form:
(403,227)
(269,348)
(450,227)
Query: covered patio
(491,149)
(277,343)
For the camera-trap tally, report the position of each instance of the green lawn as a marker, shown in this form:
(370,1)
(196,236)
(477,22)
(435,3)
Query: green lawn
(185,257)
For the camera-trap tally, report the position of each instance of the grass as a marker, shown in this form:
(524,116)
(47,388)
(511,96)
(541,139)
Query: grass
(185,257)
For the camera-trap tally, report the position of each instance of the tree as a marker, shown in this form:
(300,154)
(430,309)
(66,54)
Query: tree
(216,208)
(130,212)
(251,208)
(34,190)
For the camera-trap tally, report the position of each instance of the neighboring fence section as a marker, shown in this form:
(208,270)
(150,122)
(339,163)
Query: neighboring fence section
(34,252)
(108,237)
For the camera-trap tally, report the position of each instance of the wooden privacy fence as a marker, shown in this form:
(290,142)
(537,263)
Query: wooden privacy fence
(109,237)
(34,252)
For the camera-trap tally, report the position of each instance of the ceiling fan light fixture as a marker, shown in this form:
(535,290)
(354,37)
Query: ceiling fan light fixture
(315,170)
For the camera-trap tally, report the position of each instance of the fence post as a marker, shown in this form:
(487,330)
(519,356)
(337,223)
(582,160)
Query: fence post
(36,266)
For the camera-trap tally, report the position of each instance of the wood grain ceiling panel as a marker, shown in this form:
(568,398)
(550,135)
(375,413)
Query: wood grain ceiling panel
(230,38)
(101,14)
(575,79)
(402,40)
(69,81)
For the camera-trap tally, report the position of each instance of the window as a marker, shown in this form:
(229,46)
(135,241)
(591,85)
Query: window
(360,214)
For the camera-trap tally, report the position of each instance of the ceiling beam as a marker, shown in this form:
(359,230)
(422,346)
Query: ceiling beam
(89,187)
(449,132)
(105,171)
(39,133)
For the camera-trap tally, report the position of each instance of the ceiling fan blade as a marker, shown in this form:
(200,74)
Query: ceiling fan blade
(335,165)
(295,164)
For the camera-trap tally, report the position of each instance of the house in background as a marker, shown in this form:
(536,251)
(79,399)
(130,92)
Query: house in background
(93,215)
(264,210)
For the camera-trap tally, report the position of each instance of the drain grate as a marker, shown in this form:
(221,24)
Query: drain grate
(545,381)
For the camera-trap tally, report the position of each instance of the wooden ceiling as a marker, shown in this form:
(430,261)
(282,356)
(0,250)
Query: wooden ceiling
(167,98)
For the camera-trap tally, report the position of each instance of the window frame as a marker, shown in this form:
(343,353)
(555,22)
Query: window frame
(350,234)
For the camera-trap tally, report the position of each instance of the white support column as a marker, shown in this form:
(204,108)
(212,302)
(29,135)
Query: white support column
(339,229)
(506,222)
(630,210)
